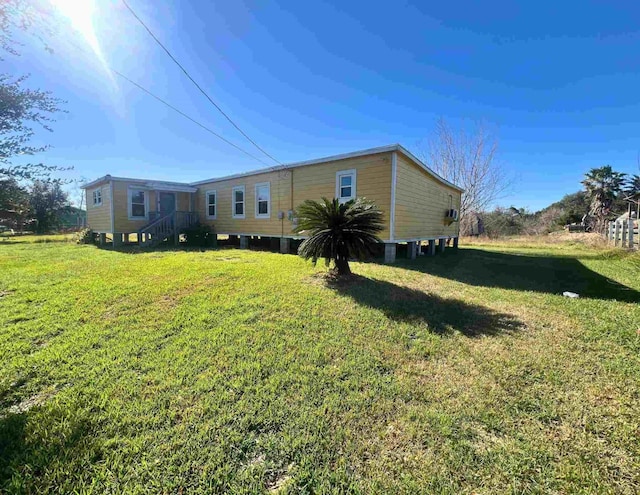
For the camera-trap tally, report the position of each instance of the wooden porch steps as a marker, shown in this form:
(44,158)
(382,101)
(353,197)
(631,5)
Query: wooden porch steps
(166,227)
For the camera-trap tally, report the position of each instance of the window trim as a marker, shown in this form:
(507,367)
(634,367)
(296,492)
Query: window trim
(93,195)
(268,213)
(130,192)
(233,202)
(342,173)
(211,192)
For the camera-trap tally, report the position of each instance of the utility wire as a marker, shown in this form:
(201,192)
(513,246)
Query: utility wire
(194,82)
(177,110)
(187,116)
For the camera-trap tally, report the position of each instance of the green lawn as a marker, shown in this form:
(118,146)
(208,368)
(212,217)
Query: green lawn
(235,371)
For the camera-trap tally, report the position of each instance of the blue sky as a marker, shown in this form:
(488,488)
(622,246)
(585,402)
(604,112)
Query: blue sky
(558,82)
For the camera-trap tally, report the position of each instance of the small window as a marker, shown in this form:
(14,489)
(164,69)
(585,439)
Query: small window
(346,185)
(137,204)
(212,199)
(97,197)
(263,200)
(238,202)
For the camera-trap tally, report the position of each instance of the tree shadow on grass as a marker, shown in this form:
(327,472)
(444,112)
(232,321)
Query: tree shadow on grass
(24,457)
(523,272)
(442,316)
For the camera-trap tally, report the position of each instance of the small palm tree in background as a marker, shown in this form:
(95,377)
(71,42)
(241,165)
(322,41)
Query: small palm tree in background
(633,186)
(602,186)
(337,232)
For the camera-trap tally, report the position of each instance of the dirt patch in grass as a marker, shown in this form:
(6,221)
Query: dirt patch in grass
(279,483)
(33,401)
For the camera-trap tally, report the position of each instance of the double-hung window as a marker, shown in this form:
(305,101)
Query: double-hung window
(238,201)
(97,197)
(212,204)
(346,185)
(138,204)
(263,200)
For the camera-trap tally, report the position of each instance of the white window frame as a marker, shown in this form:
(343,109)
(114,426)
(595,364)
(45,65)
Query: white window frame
(93,194)
(268,186)
(213,193)
(233,202)
(343,173)
(130,193)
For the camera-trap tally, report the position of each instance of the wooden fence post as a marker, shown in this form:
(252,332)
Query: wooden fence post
(623,236)
(631,240)
(616,233)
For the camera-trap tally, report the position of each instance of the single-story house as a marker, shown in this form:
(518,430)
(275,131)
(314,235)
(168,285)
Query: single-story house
(417,203)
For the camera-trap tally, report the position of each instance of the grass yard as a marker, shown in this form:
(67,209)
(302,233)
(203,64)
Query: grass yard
(234,371)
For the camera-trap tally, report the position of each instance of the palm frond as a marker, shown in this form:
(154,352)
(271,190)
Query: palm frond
(338,231)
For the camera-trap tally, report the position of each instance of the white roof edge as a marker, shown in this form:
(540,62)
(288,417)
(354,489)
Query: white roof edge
(428,169)
(87,185)
(317,161)
(130,179)
(343,156)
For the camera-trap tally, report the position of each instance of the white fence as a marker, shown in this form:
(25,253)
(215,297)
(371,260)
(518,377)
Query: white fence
(624,233)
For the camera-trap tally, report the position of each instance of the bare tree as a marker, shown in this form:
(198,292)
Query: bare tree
(467,157)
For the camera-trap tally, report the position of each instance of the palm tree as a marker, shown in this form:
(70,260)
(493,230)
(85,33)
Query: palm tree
(338,231)
(632,194)
(603,186)
(633,186)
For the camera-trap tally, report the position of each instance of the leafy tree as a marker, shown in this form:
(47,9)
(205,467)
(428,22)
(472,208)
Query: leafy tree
(338,232)
(505,221)
(14,203)
(570,209)
(48,202)
(20,110)
(603,186)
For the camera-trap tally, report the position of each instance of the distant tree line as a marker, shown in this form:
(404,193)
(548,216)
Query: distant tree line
(607,194)
(468,156)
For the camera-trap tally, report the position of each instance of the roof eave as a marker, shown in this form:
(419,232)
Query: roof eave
(344,156)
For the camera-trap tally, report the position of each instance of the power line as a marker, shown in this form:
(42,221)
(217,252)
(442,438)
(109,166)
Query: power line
(175,109)
(187,116)
(194,82)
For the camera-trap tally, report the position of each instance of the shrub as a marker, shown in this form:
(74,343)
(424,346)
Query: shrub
(85,236)
(200,236)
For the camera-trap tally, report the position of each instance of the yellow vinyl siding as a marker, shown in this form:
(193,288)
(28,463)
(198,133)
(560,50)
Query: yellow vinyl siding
(183,203)
(280,186)
(99,217)
(373,180)
(421,199)
(121,209)
(122,223)
(421,203)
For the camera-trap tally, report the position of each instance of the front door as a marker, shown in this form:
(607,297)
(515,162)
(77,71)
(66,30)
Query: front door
(167,202)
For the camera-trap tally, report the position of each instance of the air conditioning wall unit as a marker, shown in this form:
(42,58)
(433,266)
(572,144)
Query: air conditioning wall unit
(452,215)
